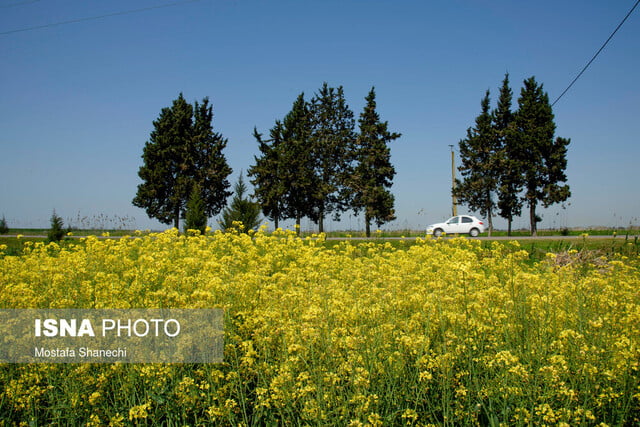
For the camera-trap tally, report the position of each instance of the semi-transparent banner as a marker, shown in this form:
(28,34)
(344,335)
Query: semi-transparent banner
(106,336)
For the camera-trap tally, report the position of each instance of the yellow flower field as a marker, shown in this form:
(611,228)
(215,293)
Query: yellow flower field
(437,333)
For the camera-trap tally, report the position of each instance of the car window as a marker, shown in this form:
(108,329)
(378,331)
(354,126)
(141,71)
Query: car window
(453,220)
(466,219)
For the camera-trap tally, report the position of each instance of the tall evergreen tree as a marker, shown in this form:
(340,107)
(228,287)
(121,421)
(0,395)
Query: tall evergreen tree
(269,188)
(297,162)
(510,177)
(283,175)
(332,149)
(164,189)
(210,167)
(480,168)
(543,159)
(182,151)
(373,173)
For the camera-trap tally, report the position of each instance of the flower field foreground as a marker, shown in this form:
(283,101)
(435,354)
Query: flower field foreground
(439,332)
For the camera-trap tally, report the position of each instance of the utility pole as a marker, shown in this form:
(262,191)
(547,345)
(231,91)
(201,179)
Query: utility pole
(454,200)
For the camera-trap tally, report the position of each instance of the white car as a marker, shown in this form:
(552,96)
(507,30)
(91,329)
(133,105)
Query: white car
(460,224)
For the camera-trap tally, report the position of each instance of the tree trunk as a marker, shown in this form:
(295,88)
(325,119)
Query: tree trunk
(321,218)
(489,213)
(532,218)
(176,218)
(509,226)
(298,219)
(367,222)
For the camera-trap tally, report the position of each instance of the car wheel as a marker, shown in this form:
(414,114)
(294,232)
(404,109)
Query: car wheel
(474,232)
(437,232)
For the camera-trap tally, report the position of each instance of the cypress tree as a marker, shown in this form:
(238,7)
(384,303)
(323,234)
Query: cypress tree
(182,151)
(542,158)
(298,176)
(479,154)
(283,175)
(373,173)
(510,177)
(210,170)
(266,174)
(332,150)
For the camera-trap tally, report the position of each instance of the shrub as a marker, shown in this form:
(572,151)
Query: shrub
(4,228)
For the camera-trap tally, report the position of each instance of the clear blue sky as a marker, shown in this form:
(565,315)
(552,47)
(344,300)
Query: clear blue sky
(78,100)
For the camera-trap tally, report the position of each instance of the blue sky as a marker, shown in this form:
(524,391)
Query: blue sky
(78,100)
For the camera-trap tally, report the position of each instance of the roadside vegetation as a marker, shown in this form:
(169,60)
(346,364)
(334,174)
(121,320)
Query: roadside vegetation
(554,241)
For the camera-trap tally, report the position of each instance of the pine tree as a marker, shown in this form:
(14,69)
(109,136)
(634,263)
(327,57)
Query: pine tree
(266,174)
(242,210)
(373,173)
(4,228)
(298,178)
(56,232)
(283,175)
(182,151)
(210,168)
(479,154)
(543,160)
(195,216)
(332,149)
(510,177)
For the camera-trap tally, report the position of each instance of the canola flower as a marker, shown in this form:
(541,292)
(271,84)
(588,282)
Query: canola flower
(435,333)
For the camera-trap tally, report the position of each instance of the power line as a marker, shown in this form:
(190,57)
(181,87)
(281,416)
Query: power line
(22,3)
(597,53)
(92,18)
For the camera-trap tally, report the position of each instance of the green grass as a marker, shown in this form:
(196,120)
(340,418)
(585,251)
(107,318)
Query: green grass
(630,231)
(627,245)
(86,232)
(619,232)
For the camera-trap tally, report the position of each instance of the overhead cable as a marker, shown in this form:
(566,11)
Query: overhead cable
(596,55)
(91,18)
